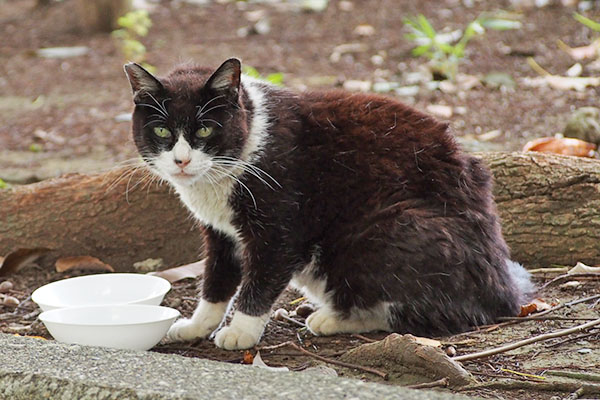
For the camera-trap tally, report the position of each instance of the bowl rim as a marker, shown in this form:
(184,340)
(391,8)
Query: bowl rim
(44,315)
(35,296)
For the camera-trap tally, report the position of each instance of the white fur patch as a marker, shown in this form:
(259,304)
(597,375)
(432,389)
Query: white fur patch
(310,285)
(243,332)
(204,321)
(326,321)
(209,201)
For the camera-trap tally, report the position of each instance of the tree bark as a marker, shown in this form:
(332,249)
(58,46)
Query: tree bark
(118,217)
(549,206)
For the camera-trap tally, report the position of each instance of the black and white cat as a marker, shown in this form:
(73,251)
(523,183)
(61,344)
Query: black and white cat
(362,202)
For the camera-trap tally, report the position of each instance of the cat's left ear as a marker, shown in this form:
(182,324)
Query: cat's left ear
(226,79)
(142,81)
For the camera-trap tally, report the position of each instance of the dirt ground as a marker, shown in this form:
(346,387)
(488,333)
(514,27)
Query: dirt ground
(70,110)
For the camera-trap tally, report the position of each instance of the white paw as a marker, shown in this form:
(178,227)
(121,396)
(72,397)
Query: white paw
(187,329)
(243,332)
(234,338)
(205,320)
(324,322)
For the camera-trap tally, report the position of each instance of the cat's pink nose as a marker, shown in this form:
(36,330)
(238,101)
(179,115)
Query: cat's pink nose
(182,163)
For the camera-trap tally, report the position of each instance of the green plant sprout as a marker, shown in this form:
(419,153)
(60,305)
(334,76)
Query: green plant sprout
(593,25)
(444,56)
(134,26)
(275,78)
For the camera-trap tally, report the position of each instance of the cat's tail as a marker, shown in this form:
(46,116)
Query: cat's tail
(522,281)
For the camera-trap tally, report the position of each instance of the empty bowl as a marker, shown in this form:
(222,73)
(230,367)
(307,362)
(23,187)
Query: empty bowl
(131,326)
(102,289)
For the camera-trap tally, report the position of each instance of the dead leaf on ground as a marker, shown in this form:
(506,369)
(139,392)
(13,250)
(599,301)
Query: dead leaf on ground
(82,262)
(581,268)
(248,358)
(18,259)
(537,305)
(192,270)
(258,362)
(564,146)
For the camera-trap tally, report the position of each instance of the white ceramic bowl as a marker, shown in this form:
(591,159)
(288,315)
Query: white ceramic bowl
(131,326)
(102,289)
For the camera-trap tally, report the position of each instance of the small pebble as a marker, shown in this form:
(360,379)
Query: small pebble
(450,351)
(5,286)
(280,314)
(10,301)
(584,351)
(304,310)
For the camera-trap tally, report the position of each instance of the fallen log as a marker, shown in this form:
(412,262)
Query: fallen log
(120,217)
(549,205)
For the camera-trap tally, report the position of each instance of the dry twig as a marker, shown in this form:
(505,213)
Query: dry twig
(521,343)
(427,385)
(568,277)
(328,360)
(568,387)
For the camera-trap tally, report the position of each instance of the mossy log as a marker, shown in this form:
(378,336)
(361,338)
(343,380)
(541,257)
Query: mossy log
(549,205)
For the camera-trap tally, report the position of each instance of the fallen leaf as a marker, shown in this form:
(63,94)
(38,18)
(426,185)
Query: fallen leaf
(248,358)
(581,268)
(537,305)
(258,362)
(81,262)
(564,146)
(19,258)
(192,270)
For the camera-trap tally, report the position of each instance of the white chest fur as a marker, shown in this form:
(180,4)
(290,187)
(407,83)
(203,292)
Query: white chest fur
(210,204)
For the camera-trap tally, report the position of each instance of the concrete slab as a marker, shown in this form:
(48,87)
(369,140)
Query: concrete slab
(36,369)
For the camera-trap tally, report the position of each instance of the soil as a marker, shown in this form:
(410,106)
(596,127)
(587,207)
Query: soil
(70,109)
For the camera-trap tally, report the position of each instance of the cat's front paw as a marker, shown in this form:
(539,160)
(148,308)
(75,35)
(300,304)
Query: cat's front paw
(234,338)
(324,322)
(187,329)
(243,332)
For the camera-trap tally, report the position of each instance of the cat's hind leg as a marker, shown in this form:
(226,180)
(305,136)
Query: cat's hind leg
(327,321)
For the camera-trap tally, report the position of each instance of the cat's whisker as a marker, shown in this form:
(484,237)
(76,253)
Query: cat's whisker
(154,108)
(211,120)
(224,172)
(201,108)
(127,173)
(200,115)
(162,110)
(245,169)
(250,168)
(154,121)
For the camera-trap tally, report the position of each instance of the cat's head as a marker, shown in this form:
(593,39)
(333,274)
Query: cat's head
(191,125)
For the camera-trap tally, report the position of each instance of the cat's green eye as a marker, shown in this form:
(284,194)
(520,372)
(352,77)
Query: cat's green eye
(204,132)
(162,132)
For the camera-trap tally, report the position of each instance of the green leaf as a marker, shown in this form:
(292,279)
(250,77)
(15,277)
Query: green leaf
(251,71)
(3,185)
(587,22)
(499,24)
(426,27)
(421,50)
(275,78)
(35,148)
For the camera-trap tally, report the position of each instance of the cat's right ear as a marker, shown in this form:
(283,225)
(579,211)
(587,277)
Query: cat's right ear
(226,79)
(142,81)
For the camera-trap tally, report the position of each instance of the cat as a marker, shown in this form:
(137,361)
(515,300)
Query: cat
(366,204)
